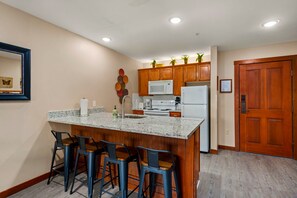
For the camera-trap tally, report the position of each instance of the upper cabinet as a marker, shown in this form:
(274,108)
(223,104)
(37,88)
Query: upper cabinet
(180,74)
(143,78)
(190,73)
(154,74)
(165,73)
(204,71)
(178,80)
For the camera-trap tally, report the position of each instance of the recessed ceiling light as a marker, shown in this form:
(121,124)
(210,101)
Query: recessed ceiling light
(175,20)
(270,23)
(106,39)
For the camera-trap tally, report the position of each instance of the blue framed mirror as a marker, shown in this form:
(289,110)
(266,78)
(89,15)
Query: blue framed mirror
(15,72)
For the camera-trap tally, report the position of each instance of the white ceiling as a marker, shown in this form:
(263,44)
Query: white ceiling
(141,29)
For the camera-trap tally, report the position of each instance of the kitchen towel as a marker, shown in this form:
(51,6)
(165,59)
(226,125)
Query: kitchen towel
(84,107)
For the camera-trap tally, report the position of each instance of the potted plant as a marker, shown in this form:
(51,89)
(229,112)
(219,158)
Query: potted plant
(185,58)
(154,63)
(199,57)
(173,61)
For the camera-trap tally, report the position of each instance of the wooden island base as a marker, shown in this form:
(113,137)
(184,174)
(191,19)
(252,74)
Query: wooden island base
(187,150)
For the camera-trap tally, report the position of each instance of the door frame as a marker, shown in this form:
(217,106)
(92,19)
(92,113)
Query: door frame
(237,64)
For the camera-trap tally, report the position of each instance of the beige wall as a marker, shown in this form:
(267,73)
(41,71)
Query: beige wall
(226,70)
(64,67)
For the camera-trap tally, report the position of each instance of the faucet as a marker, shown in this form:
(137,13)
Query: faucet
(123,105)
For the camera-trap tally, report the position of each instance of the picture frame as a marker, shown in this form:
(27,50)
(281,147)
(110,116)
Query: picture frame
(6,82)
(226,86)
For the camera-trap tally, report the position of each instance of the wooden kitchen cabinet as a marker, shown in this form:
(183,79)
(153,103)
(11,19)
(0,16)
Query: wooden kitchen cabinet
(204,71)
(180,74)
(190,73)
(139,112)
(143,78)
(165,73)
(178,80)
(154,74)
(175,114)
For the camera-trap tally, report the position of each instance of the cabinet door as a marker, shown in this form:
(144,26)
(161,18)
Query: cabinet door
(154,74)
(143,82)
(175,114)
(139,112)
(178,80)
(190,73)
(166,73)
(204,72)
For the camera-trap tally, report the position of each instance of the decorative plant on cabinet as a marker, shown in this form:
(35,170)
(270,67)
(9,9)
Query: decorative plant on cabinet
(185,58)
(173,61)
(154,63)
(199,57)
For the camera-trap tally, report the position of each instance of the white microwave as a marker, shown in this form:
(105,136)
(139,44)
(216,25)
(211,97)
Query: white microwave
(160,87)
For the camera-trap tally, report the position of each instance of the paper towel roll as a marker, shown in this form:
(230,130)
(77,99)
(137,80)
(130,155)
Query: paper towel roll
(84,107)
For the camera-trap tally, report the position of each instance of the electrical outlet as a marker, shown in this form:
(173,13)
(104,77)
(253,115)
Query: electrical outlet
(94,103)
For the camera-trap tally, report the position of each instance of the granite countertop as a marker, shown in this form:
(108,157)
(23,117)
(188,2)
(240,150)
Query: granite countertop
(181,128)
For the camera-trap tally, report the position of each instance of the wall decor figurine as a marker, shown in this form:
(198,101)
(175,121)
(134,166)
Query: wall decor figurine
(120,85)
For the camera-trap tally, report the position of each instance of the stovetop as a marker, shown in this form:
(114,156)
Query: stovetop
(156,109)
(162,106)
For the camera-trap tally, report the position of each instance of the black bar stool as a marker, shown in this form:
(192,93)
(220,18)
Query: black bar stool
(120,155)
(92,150)
(67,143)
(158,162)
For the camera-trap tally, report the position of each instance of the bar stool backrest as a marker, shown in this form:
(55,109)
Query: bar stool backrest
(110,148)
(59,136)
(153,156)
(84,140)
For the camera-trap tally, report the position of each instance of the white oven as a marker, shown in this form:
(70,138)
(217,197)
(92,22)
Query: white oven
(160,87)
(156,112)
(160,108)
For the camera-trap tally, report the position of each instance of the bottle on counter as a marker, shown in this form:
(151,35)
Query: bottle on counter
(115,112)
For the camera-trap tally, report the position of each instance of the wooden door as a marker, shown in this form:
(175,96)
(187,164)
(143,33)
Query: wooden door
(143,82)
(190,73)
(204,71)
(165,73)
(178,80)
(154,74)
(266,108)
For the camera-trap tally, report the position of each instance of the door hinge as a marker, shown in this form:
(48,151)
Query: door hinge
(292,72)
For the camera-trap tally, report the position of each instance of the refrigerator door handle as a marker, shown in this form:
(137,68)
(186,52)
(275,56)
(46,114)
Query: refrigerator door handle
(182,111)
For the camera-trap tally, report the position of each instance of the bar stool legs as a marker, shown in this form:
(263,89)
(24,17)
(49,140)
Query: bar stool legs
(67,145)
(52,163)
(167,184)
(160,162)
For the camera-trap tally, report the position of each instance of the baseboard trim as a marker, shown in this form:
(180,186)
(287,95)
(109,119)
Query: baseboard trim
(230,148)
(212,151)
(24,185)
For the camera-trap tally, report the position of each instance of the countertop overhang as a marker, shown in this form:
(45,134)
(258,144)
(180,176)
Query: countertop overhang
(181,128)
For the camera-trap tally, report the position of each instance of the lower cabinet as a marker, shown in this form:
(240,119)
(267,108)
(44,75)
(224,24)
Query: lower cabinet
(175,114)
(139,112)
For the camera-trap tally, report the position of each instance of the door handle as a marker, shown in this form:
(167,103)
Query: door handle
(243,104)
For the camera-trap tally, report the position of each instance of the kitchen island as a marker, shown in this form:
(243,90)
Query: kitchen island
(179,135)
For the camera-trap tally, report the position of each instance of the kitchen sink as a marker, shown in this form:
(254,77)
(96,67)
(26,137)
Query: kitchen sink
(131,116)
(134,116)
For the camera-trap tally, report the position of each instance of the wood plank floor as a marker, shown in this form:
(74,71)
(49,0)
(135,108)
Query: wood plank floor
(227,175)
(235,174)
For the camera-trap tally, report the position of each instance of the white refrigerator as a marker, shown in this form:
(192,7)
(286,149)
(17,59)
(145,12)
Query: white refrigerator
(195,104)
